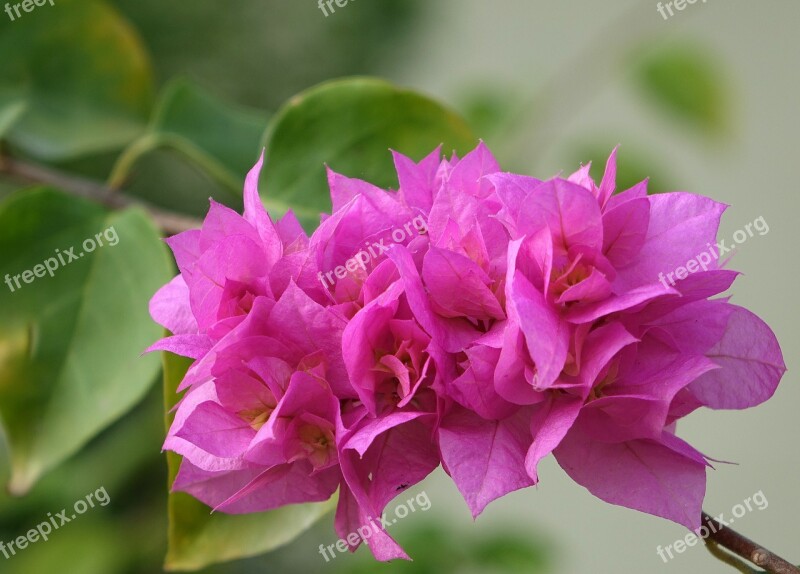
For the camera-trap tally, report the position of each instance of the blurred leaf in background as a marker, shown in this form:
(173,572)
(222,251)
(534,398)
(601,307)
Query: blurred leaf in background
(256,53)
(685,82)
(71,338)
(83,76)
(491,111)
(350,125)
(125,460)
(221,139)
(260,53)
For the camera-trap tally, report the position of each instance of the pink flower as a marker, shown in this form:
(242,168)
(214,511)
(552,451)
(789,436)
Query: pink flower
(524,318)
(224,267)
(607,356)
(257,427)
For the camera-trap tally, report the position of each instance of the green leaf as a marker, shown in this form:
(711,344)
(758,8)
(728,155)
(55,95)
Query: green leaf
(221,139)
(198,538)
(82,72)
(492,110)
(350,125)
(70,341)
(686,83)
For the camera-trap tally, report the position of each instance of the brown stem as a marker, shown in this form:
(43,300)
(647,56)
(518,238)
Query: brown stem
(171,223)
(746,548)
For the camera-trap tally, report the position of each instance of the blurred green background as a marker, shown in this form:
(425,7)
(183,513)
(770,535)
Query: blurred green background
(188,92)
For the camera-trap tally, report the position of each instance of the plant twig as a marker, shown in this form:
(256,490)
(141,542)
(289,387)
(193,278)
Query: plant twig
(170,222)
(728,558)
(741,546)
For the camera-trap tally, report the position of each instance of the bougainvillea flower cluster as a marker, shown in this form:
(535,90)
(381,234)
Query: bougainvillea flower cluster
(508,319)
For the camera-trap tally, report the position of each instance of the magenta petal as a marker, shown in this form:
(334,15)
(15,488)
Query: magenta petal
(601,345)
(625,230)
(459,287)
(238,258)
(257,216)
(546,334)
(682,227)
(486,459)
(418,182)
(290,231)
(186,250)
(570,211)
(363,223)
(694,327)
(583,177)
(617,303)
(517,318)
(695,287)
(468,175)
(193,346)
(216,431)
(170,308)
(345,189)
(636,192)
(308,327)
(279,486)
(222,222)
(512,189)
(306,395)
(211,487)
(656,477)
(474,388)
(348,516)
(549,424)
(596,287)
(752,365)
(453,336)
(192,453)
(366,336)
(361,439)
(609,183)
(637,404)
(399,457)
(510,374)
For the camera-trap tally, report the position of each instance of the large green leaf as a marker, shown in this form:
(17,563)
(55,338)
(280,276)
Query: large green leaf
(83,74)
(221,139)
(198,538)
(685,82)
(70,342)
(350,125)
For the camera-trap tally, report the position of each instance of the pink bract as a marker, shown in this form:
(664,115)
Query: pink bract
(524,318)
